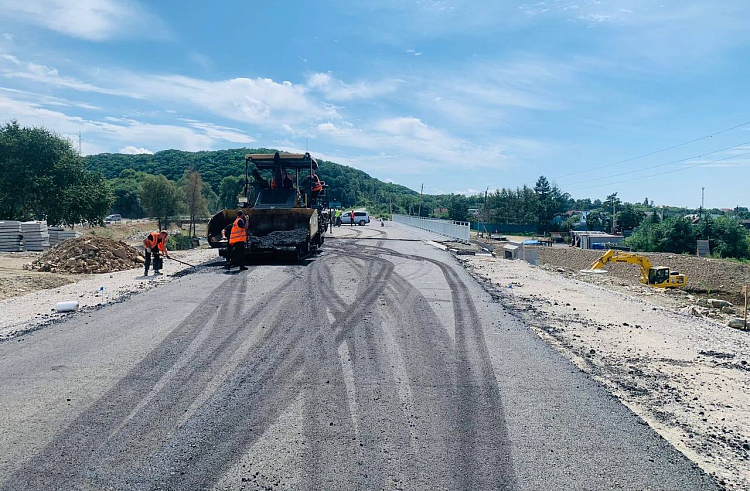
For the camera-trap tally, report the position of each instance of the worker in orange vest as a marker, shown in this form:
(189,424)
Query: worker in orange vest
(351,218)
(237,240)
(155,244)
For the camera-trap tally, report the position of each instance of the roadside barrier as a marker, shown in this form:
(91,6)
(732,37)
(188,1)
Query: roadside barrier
(455,230)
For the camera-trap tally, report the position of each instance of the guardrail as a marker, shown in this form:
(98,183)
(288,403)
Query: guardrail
(455,230)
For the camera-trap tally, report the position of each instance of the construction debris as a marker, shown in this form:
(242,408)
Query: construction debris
(87,255)
(11,237)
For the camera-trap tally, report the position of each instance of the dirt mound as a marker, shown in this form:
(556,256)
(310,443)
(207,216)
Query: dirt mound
(89,254)
(715,277)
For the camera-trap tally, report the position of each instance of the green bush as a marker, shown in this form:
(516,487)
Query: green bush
(179,242)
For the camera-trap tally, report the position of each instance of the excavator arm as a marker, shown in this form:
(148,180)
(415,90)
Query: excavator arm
(624,257)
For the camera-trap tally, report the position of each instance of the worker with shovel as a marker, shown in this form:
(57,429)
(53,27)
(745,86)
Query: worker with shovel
(237,240)
(155,243)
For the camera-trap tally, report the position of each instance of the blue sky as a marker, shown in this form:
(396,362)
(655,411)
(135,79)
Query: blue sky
(453,94)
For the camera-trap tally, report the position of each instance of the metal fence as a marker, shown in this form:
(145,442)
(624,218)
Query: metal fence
(455,230)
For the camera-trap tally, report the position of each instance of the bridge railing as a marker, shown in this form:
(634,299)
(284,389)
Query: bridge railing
(455,230)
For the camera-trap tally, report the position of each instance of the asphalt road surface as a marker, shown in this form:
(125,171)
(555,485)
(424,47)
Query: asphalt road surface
(379,364)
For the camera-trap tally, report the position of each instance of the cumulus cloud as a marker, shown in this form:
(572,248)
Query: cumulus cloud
(94,20)
(131,150)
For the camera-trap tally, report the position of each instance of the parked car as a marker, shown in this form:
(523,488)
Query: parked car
(113,218)
(360,218)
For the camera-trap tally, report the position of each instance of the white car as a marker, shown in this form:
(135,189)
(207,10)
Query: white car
(360,218)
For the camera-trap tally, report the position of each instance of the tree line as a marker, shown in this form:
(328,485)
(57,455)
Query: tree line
(42,176)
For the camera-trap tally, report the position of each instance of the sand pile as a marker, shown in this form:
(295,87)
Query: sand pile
(89,254)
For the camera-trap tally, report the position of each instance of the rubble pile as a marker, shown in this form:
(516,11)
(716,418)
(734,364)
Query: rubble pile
(90,254)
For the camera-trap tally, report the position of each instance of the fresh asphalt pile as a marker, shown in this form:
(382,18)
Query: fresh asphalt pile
(279,238)
(87,255)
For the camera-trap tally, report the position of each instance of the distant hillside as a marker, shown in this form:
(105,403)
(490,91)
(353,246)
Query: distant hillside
(350,186)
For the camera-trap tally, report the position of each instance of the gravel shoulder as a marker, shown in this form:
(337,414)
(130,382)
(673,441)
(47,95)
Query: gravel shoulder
(687,377)
(22,312)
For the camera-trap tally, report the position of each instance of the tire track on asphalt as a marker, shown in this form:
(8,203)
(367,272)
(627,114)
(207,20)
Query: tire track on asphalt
(72,447)
(484,453)
(269,379)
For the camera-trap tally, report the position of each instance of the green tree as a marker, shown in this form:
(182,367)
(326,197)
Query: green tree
(230,188)
(729,239)
(42,176)
(679,236)
(195,200)
(458,209)
(550,202)
(160,198)
(629,217)
(595,220)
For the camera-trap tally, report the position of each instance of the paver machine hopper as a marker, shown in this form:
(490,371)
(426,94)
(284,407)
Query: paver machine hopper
(286,218)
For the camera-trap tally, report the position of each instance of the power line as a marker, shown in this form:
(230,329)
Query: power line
(609,176)
(662,173)
(652,153)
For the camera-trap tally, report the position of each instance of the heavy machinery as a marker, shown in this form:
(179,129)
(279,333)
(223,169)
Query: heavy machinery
(656,277)
(283,221)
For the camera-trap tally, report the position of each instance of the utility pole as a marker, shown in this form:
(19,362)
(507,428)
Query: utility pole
(79,144)
(614,201)
(703,191)
(420,200)
(484,212)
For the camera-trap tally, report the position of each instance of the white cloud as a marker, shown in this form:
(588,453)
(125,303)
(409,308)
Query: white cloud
(8,36)
(94,20)
(131,150)
(46,75)
(110,133)
(334,89)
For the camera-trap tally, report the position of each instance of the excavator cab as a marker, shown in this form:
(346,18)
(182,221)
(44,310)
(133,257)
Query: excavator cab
(657,276)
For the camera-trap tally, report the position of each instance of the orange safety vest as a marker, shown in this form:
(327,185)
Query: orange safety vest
(238,233)
(273,183)
(317,186)
(161,244)
(150,241)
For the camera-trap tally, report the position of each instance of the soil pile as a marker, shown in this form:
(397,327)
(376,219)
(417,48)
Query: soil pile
(715,277)
(89,254)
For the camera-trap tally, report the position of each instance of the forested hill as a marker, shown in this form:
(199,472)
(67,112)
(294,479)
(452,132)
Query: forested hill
(351,186)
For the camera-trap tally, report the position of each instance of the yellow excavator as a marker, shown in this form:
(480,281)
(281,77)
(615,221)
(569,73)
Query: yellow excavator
(656,277)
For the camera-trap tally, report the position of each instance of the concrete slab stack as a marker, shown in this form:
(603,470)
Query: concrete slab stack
(59,234)
(35,236)
(11,237)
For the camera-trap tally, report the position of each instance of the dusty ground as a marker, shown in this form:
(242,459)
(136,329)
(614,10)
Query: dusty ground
(688,377)
(31,309)
(716,278)
(15,281)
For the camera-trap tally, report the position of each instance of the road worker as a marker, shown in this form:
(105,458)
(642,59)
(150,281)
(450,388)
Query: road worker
(316,188)
(286,180)
(351,218)
(155,244)
(237,240)
(338,217)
